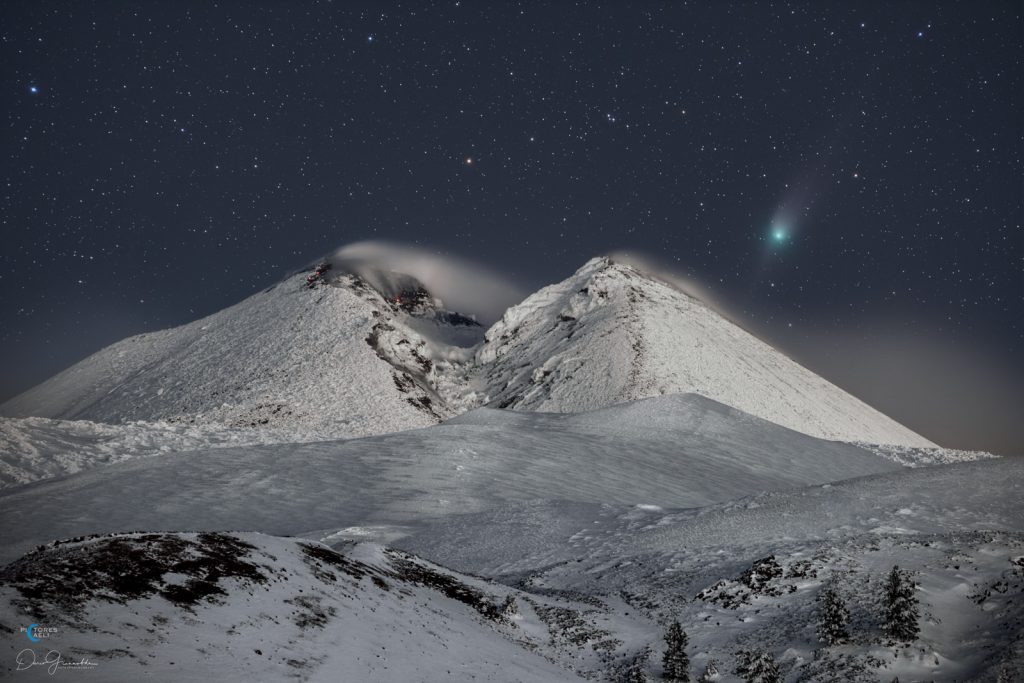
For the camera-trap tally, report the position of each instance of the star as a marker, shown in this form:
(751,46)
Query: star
(34,89)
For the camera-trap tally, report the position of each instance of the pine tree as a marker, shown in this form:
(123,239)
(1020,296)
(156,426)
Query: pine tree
(637,671)
(675,662)
(757,666)
(901,606)
(636,674)
(509,607)
(832,618)
(710,674)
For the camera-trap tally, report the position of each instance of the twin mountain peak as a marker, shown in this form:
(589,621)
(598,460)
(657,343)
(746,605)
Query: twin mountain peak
(347,354)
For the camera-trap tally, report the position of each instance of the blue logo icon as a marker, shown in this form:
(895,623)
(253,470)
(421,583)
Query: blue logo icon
(36,633)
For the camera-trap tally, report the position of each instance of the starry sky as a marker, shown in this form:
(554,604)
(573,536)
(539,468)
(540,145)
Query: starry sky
(845,177)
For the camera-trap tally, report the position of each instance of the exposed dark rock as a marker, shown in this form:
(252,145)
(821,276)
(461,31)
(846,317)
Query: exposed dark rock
(123,567)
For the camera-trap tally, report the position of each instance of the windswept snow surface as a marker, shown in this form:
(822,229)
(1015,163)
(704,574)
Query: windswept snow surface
(968,497)
(34,448)
(748,573)
(610,334)
(671,451)
(335,354)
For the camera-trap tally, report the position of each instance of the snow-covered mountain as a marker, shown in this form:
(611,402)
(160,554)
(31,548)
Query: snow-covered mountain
(322,352)
(592,481)
(354,354)
(611,333)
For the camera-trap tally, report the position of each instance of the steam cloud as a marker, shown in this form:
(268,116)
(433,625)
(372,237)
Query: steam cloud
(463,286)
(658,269)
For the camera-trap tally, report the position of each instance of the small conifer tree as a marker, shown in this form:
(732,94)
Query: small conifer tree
(710,674)
(757,666)
(509,607)
(832,617)
(637,671)
(675,662)
(901,606)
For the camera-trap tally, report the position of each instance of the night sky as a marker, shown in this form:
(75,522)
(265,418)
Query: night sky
(845,177)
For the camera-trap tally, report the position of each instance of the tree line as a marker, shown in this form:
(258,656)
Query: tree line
(900,615)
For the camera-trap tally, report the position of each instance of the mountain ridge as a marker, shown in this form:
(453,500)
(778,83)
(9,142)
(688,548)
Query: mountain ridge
(370,355)
(662,340)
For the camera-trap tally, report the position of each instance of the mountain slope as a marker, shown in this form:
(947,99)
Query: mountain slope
(332,354)
(249,607)
(671,451)
(610,334)
(749,573)
(591,598)
(33,448)
(345,355)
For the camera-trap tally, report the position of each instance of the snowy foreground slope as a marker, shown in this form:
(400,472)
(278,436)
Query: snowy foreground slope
(259,608)
(748,573)
(592,586)
(338,355)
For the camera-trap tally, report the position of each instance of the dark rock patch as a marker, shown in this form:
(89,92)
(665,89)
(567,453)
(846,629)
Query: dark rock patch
(118,568)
